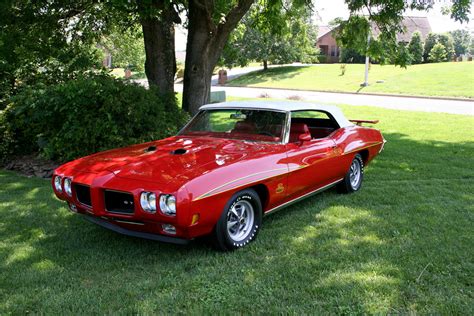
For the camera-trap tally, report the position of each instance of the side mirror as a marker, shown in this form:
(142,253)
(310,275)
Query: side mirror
(304,137)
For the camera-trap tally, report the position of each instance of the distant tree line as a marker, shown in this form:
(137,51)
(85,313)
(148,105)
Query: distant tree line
(437,47)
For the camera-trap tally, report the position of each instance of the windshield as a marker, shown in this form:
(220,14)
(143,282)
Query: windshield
(245,124)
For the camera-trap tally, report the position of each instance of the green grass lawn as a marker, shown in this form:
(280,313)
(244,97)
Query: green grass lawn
(403,244)
(443,79)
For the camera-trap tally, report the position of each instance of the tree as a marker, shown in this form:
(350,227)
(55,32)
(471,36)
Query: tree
(158,19)
(127,48)
(461,40)
(256,39)
(416,48)
(387,17)
(209,26)
(430,41)
(38,42)
(447,41)
(31,31)
(438,53)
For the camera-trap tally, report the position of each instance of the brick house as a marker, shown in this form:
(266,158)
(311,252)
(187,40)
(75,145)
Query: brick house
(331,51)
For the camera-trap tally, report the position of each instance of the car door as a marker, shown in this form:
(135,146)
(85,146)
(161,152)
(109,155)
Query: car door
(311,164)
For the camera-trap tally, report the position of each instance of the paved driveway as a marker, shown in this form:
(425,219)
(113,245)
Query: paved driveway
(389,102)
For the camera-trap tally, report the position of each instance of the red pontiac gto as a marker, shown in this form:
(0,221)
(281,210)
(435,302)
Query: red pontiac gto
(231,164)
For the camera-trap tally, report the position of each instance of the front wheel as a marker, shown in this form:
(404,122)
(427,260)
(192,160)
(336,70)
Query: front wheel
(354,176)
(240,221)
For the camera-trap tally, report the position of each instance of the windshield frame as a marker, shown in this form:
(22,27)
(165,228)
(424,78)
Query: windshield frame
(286,128)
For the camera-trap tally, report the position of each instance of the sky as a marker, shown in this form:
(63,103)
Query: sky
(327,10)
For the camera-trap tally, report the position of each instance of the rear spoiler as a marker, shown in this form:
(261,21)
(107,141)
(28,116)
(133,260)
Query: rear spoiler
(359,122)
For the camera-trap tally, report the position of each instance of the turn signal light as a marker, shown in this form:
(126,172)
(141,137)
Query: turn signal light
(195,219)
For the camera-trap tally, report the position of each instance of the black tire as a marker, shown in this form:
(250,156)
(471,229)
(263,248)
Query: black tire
(225,238)
(347,185)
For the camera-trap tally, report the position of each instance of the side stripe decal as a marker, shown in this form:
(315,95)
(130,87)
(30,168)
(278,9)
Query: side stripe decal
(217,189)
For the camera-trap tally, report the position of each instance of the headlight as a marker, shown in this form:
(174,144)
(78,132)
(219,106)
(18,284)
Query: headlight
(57,184)
(148,202)
(67,186)
(168,204)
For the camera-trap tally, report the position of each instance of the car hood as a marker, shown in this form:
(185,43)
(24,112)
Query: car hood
(172,160)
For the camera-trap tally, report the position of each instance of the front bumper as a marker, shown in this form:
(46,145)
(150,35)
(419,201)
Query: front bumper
(134,219)
(121,230)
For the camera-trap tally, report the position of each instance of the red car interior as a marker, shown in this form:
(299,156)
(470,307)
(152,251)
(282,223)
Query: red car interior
(296,130)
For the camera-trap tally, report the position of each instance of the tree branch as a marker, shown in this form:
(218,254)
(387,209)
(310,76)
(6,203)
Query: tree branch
(207,7)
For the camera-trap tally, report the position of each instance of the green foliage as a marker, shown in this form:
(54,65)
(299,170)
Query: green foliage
(444,39)
(416,48)
(438,53)
(126,47)
(447,41)
(86,115)
(430,41)
(461,41)
(387,17)
(285,37)
(350,56)
(46,41)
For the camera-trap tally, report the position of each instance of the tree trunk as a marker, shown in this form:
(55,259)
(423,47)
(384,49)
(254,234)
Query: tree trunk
(265,64)
(159,35)
(204,47)
(197,75)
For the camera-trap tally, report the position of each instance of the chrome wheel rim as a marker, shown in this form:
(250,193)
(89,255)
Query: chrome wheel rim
(354,173)
(240,220)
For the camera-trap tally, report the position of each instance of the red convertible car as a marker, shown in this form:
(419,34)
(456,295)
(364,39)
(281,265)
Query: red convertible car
(229,166)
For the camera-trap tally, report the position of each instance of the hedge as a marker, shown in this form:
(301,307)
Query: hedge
(83,116)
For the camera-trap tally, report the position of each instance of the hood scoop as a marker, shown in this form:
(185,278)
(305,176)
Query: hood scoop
(179,151)
(150,149)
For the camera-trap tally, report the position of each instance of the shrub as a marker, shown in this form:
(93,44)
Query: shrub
(437,53)
(350,56)
(86,115)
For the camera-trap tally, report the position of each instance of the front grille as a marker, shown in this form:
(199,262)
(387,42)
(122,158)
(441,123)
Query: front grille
(119,202)
(83,194)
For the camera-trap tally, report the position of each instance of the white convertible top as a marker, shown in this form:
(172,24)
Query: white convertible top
(286,106)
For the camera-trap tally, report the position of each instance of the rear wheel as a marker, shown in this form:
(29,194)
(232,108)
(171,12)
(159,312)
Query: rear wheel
(240,221)
(353,179)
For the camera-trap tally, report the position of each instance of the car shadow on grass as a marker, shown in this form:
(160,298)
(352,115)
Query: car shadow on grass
(399,245)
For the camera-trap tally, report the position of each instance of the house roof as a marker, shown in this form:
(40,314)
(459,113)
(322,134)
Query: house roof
(323,30)
(286,106)
(410,23)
